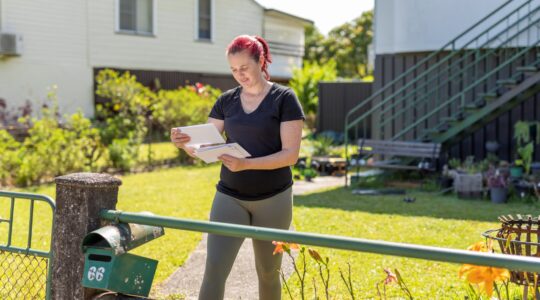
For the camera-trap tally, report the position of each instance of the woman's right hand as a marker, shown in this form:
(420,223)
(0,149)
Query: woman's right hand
(180,139)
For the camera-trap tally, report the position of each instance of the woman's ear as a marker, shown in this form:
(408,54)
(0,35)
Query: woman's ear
(261,61)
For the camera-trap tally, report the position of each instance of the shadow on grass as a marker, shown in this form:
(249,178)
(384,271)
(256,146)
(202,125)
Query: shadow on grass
(426,205)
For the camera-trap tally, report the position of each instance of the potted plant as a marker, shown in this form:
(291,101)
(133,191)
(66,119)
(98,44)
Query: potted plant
(525,144)
(535,168)
(309,174)
(468,181)
(447,180)
(523,188)
(516,170)
(497,183)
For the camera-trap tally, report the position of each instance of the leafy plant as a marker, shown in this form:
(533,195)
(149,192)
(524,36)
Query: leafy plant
(322,145)
(123,154)
(126,115)
(496,179)
(525,144)
(188,105)
(454,163)
(10,158)
(469,166)
(305,83)
(309,173)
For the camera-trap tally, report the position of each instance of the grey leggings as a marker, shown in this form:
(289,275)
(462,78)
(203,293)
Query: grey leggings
(274,212)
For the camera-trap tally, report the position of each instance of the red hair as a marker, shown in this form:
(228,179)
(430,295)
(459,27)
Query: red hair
(256,47)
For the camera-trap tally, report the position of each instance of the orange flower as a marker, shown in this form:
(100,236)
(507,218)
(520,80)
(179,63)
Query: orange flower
(480,247)
(482,275)
(390,277)
(284,246)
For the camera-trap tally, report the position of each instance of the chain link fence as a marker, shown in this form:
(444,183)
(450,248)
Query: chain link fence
(22,276)
(26,222)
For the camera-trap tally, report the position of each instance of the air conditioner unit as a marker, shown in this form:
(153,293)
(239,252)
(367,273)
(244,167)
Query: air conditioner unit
(10,43)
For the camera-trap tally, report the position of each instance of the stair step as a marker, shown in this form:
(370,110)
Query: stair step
(488,96)
(444,127)
(471,107)
(475,106)
(527,69)
(460,116)
(507,82)
(433,131)
(449,120)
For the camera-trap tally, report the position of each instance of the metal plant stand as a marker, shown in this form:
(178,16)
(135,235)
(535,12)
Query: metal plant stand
(519,235)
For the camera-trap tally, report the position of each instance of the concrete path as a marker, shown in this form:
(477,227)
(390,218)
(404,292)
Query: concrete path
(242,282)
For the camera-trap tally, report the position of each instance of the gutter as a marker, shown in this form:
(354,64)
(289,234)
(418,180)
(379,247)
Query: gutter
(1,18)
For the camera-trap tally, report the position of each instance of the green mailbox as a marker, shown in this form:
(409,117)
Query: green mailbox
(108,266)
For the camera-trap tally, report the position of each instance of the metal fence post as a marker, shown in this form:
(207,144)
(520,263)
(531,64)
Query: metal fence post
(79,199)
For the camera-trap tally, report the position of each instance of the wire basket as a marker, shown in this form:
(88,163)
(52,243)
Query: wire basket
(518,235)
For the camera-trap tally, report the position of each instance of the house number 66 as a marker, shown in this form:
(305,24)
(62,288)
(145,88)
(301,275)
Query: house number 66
(96,274)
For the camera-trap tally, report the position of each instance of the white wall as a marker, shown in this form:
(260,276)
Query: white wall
(174,46)
(54,53)
(285,36)
(426,25)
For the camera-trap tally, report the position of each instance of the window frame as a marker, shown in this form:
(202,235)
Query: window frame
(212,23)
(117,29)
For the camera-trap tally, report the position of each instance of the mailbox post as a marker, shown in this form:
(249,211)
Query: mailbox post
(108,266)
(79,199)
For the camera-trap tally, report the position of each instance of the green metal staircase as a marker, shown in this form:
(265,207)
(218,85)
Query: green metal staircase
(485,71)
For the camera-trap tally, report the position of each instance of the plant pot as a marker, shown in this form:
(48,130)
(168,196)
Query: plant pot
(492,146)
(469,185)
(308,178)
(498,195)
(535,169)
(446,182)
(522,189)
(516,171)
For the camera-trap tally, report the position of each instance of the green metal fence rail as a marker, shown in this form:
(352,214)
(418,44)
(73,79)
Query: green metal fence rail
(512,262)
(456,64)
(25,272)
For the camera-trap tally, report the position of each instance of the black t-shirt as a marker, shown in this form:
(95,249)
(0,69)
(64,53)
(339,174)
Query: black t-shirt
(259,133)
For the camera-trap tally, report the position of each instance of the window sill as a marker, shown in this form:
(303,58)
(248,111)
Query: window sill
(207,41)
(135,33)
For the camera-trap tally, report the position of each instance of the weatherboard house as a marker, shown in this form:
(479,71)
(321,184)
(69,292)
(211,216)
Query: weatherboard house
(65,43)
(460,73)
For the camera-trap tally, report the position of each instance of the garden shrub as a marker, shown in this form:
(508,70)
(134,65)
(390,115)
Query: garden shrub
(51,147)
(56,146)
(134,108)
(123,154)
(125,116)
(305,83)
(10,159)
(186,106)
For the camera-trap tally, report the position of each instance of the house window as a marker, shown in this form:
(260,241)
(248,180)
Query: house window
(136,16)
(205,19)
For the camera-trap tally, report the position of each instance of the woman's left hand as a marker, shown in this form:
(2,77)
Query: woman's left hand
(232,163)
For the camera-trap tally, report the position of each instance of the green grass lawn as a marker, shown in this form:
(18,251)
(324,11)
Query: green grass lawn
(183,192)
(160,152)
(431,220)
(186,192)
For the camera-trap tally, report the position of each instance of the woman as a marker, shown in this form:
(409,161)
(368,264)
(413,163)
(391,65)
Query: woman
(266,119)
